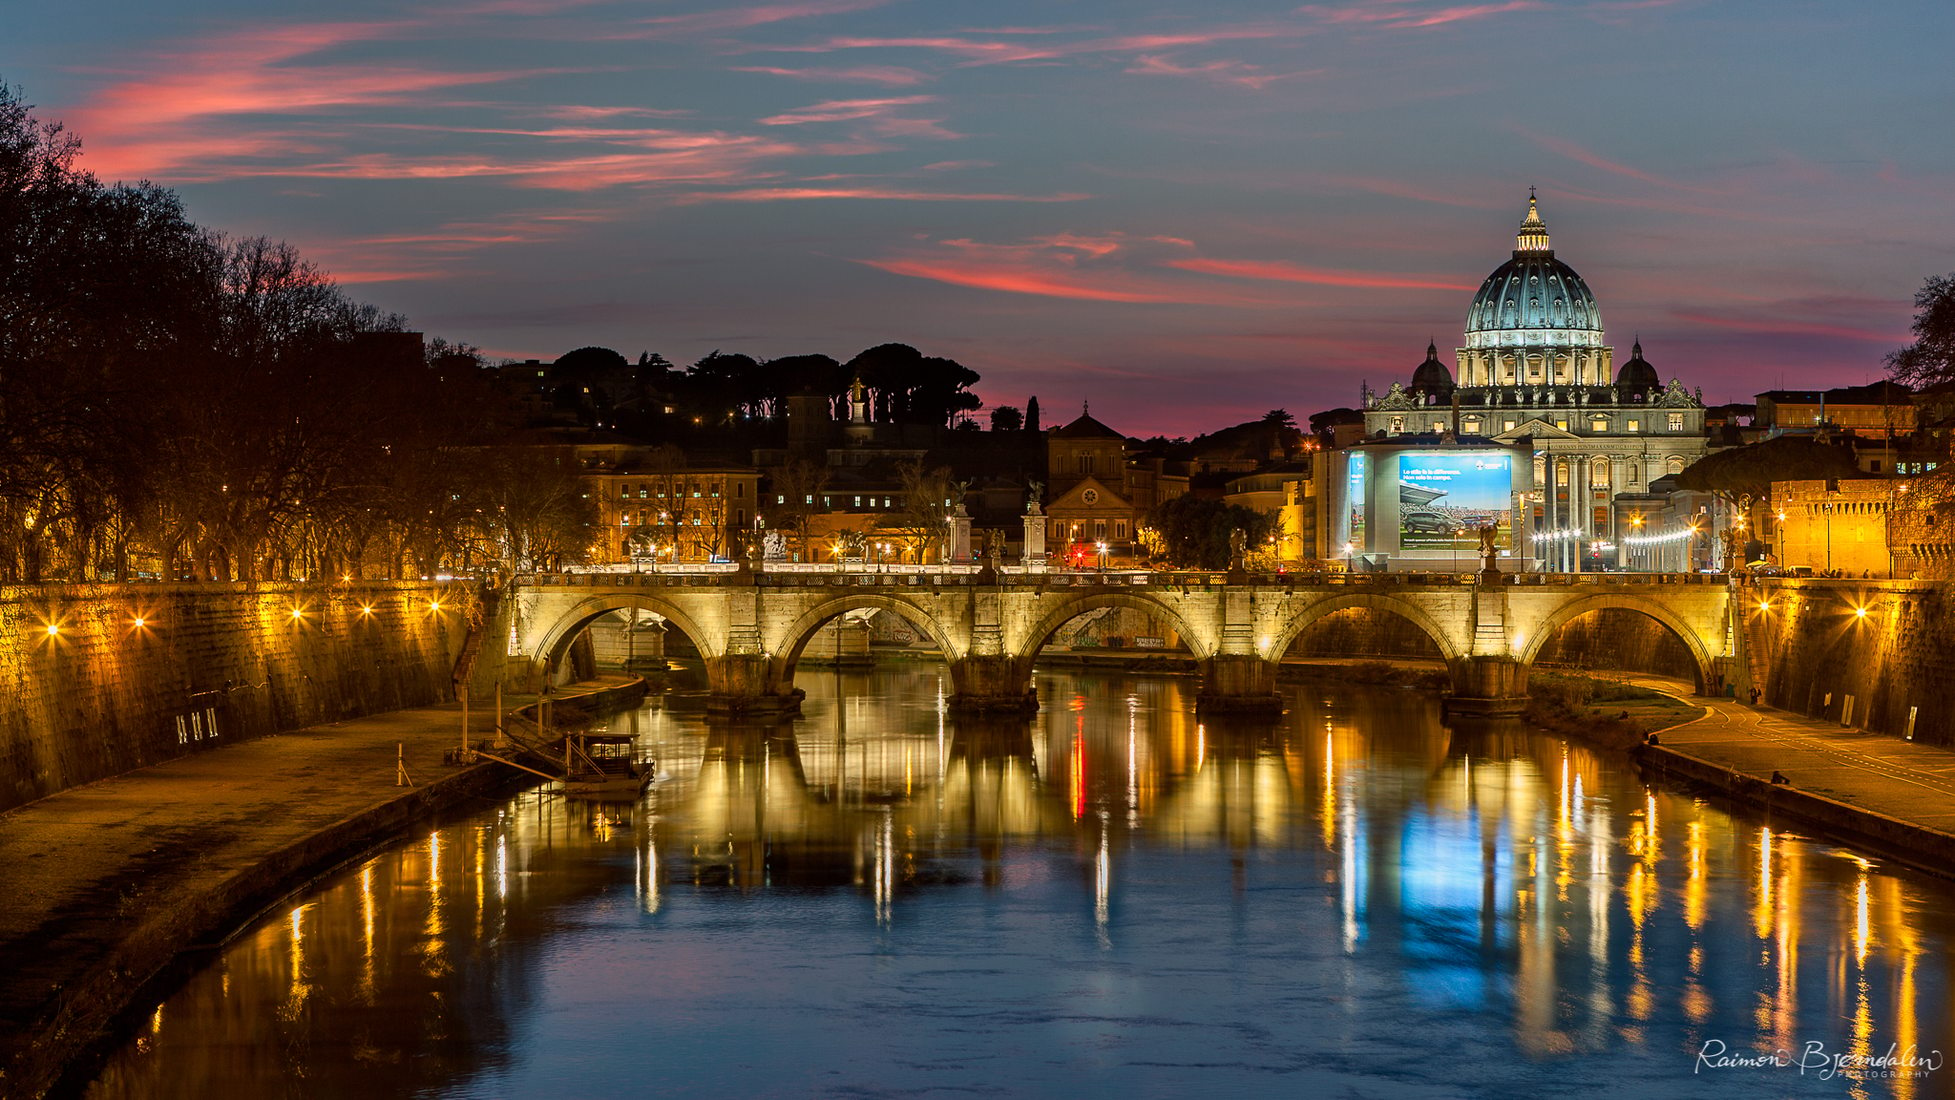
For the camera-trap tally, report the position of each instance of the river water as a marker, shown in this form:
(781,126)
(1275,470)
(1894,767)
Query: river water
(1115,899)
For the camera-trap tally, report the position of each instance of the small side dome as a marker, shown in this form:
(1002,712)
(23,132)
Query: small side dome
(1431,378)
(1637,376)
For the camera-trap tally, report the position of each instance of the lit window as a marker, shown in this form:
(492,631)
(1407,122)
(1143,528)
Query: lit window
(1676,422)
(1635,425)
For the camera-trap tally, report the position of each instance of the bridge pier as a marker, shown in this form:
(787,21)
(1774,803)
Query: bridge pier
(992,684)
(745,683)
(1238,683)
(1488,687)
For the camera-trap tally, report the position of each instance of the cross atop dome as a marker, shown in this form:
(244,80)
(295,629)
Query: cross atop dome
(1533,235)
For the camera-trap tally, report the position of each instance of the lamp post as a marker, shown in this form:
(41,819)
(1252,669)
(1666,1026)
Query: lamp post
(1100,547)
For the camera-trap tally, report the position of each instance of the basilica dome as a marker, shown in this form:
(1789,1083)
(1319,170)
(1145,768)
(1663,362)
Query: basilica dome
(1637,376)
(1533,298)
(1431,378)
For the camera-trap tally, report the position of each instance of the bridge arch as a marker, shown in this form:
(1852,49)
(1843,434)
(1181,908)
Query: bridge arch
(547,653)
(1280,642)
(1700,654)
(1201,645)
(791,642)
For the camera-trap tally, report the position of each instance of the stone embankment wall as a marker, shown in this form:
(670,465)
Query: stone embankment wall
(99,694)
(1895,664)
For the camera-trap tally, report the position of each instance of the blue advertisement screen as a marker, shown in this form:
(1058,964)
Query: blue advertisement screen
(1445,497)
(1354,499)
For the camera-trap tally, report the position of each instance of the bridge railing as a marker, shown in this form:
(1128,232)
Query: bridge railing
(955,575)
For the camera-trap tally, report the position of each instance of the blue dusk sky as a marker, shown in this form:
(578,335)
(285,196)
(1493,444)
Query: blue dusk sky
(1186,213)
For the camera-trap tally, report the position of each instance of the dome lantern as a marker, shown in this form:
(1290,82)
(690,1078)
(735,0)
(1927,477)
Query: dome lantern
(1533,234)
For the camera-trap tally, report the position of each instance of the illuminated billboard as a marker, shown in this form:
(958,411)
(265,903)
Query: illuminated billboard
(1445,497)
(1354,500)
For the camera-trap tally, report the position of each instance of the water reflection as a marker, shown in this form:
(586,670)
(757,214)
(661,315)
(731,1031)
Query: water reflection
(1353,893)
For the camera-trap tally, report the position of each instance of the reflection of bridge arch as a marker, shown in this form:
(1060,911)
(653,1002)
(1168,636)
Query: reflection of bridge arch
(1700,656)
(549,651)
(1200,644)
(1281,641)
(793,640)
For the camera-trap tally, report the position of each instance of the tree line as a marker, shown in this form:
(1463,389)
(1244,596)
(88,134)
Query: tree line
(179,403)
(900,385)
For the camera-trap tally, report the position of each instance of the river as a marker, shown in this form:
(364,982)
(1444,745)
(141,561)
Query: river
(1116,899)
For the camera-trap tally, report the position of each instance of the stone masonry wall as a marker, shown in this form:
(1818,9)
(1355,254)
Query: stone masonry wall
(1814,651)
(1617,638)
(1361,632)
(210,664)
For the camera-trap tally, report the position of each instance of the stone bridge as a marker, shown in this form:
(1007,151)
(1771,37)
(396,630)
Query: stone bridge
(752,627)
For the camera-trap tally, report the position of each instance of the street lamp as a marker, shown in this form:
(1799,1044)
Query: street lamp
(1101,547)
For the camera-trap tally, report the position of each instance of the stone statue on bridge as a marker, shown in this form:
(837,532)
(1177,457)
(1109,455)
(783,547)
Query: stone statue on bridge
(1488,551)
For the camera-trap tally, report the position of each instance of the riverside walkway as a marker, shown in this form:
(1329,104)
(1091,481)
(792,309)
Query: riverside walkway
(1897,794)
(103,884)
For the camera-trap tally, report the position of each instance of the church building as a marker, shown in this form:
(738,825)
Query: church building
(1534,372)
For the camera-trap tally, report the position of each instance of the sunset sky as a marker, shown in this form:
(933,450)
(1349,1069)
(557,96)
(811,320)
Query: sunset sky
(1186,213)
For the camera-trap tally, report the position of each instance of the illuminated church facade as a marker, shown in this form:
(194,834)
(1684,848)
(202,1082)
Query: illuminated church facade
(1535,373)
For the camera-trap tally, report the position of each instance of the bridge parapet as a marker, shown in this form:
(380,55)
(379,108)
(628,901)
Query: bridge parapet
(752,626)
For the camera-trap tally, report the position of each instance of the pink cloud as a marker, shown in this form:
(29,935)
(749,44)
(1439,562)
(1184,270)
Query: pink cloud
(977,51)
(173,113)
(844,110)
(1398,189)
(1063,265)
(895,76)
(1594,160)
(1278,271)
(1399,16)
(1778,326)
(1238,73)
(734,18)
(1021,280)
(784,194)
(572,112)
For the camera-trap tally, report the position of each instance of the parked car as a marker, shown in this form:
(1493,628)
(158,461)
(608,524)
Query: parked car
(1429,522)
